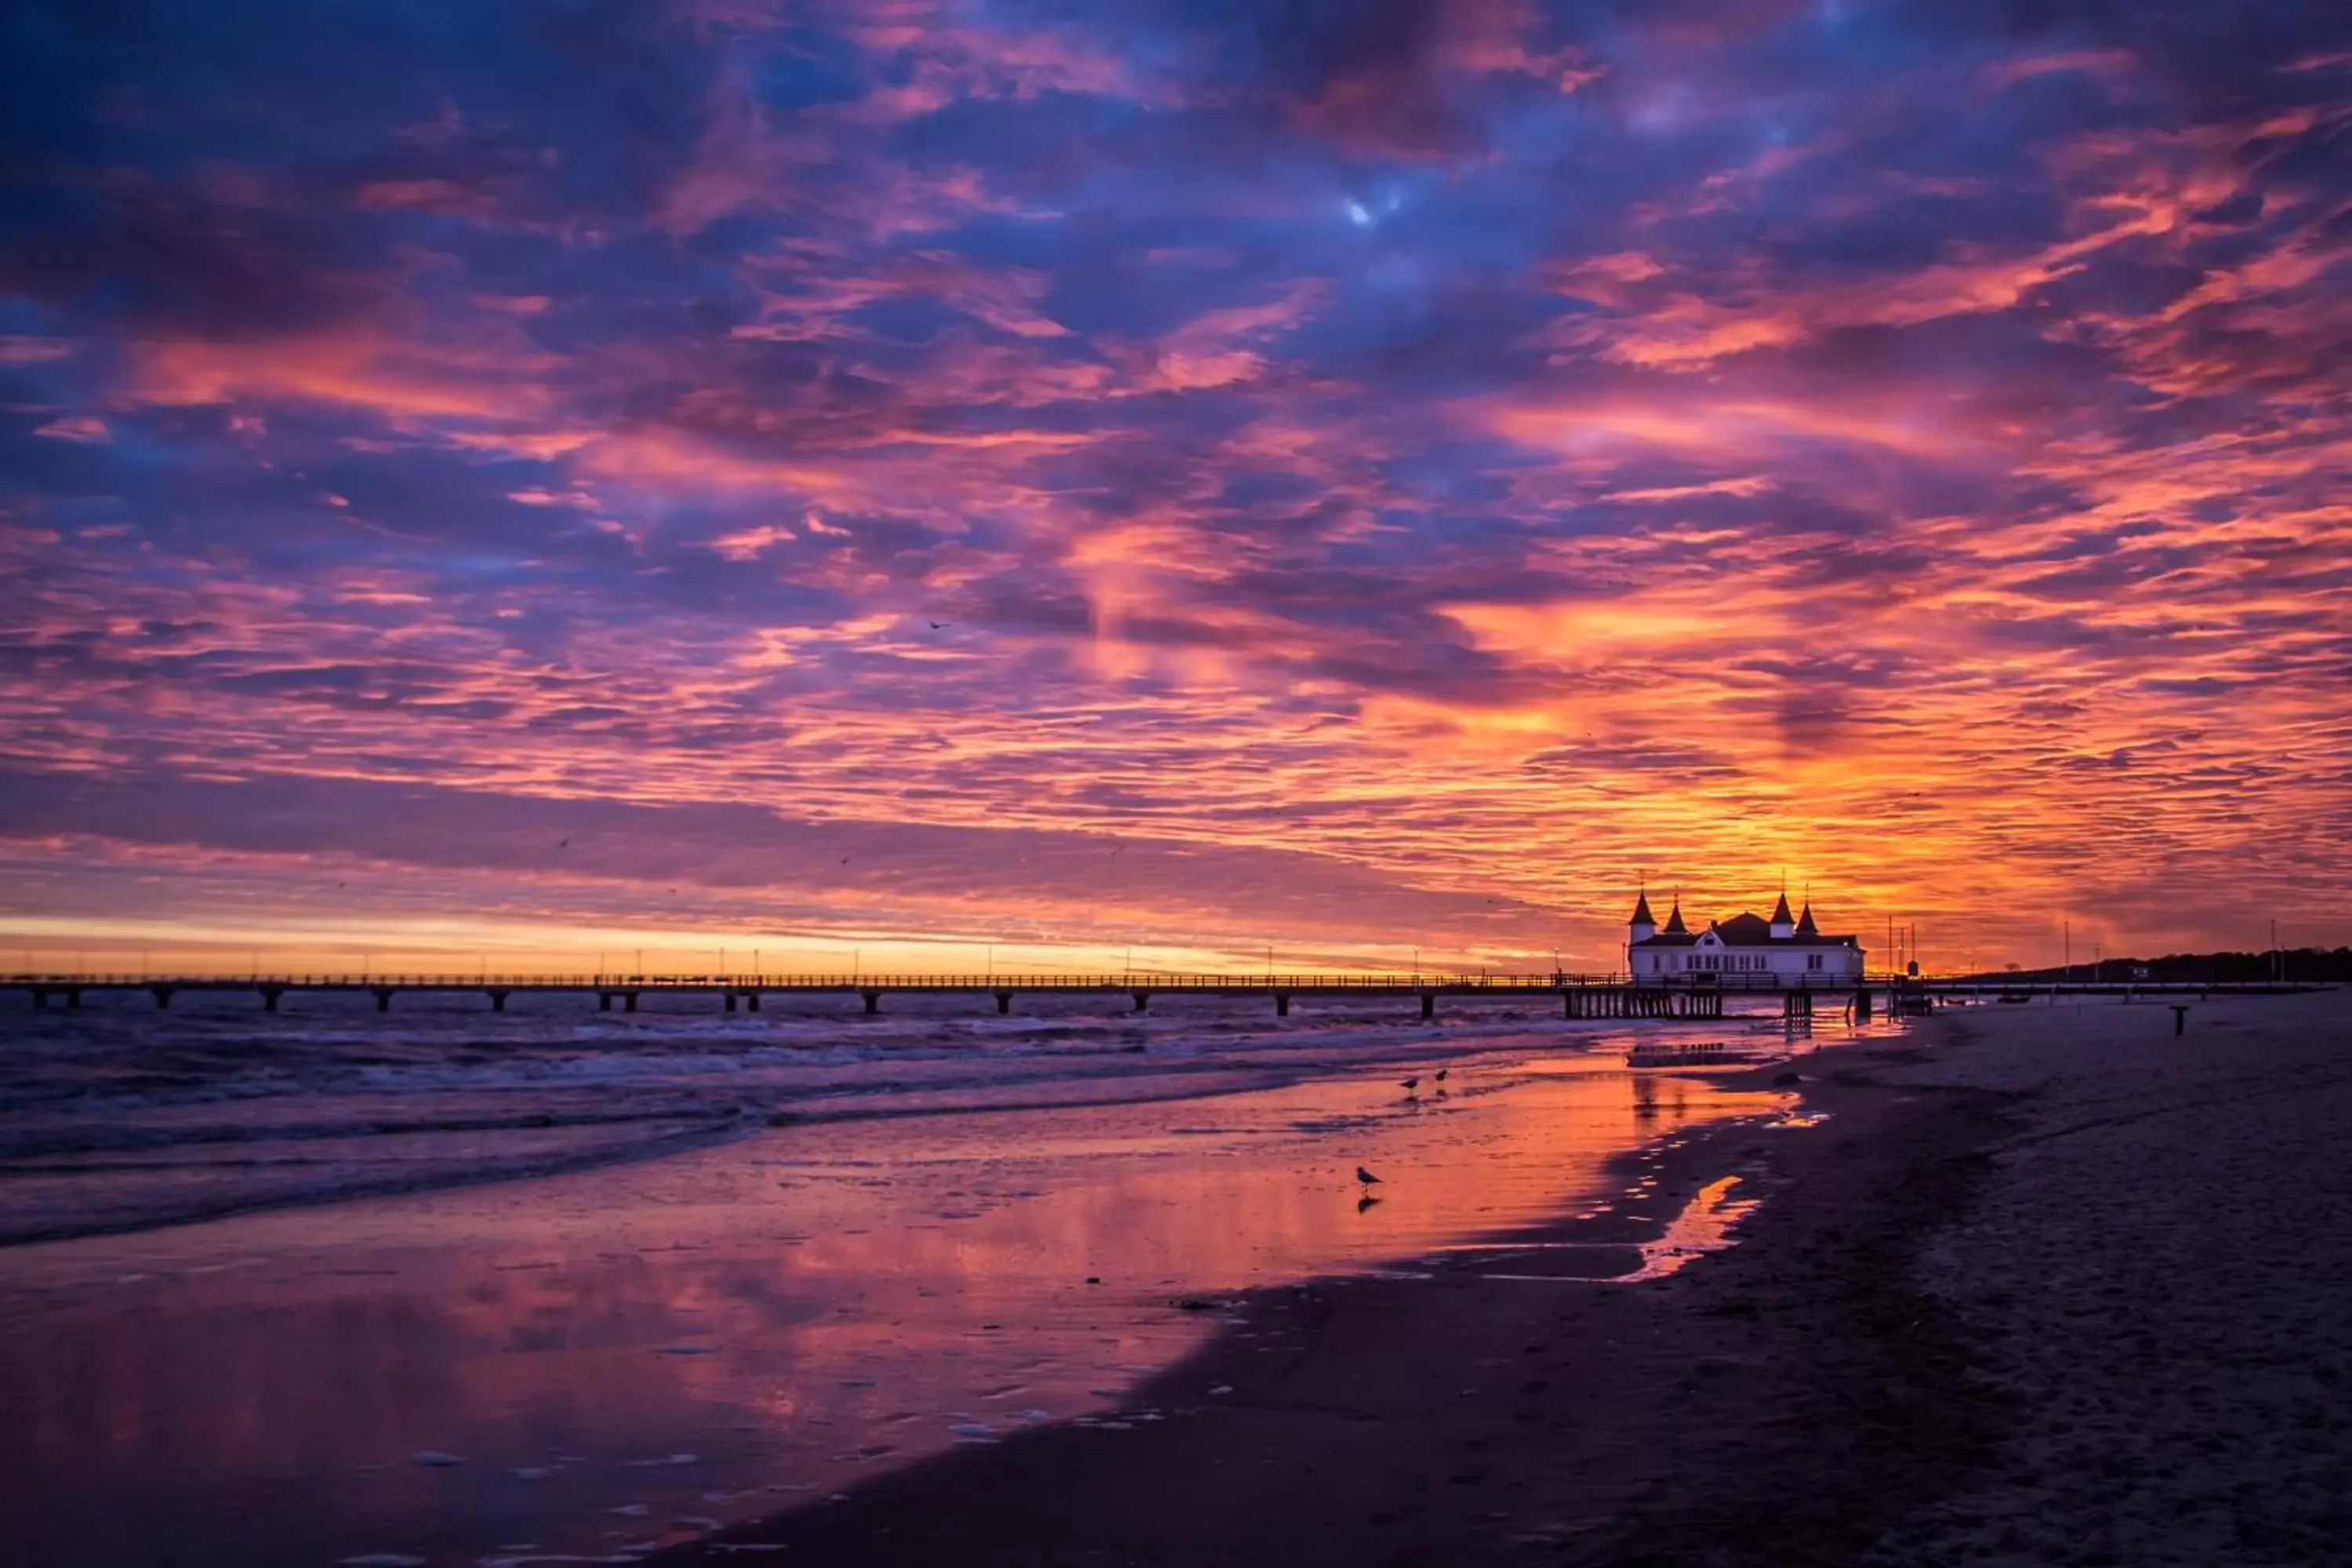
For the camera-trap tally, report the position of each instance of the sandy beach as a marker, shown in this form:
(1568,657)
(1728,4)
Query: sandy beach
(2047,1285)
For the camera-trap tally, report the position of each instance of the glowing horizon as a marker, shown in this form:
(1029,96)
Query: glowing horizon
(922,478)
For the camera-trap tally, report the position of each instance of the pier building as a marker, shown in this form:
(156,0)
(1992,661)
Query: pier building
(1747,949)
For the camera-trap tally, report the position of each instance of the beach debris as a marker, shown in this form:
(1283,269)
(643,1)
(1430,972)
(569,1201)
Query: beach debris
(434,1458)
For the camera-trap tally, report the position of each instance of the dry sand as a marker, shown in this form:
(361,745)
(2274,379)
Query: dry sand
(2050,1286)
(2160,1272)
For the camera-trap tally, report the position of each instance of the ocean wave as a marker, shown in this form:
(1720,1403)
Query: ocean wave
(117,1118)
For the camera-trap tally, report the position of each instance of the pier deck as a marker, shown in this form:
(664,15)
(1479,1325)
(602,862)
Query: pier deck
(1582,995)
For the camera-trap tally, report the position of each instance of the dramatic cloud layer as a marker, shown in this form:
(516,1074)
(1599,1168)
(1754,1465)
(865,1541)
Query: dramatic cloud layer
(1179,472)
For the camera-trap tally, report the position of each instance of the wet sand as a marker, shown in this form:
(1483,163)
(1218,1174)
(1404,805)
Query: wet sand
(2049,1286)
(628,1355)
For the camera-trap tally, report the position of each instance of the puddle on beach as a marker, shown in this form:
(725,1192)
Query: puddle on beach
(1704,1224)
(586,1364)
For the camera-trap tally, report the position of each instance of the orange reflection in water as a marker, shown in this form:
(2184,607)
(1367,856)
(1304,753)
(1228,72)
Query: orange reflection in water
(715,1335)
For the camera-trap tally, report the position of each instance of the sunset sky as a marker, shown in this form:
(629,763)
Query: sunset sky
(1199,476)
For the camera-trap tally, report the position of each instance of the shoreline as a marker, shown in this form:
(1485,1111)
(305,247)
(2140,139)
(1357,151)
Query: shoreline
(790,1314)
(2049,1285)
(1454,1414)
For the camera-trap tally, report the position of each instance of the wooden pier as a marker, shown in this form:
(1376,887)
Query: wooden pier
(1581,996)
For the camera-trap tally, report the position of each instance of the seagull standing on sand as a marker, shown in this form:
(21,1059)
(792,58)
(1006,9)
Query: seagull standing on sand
(1413,1086)
(1441,1072)
(1365,1179)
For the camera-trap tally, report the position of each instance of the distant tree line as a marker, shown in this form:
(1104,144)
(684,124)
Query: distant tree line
(2301,964)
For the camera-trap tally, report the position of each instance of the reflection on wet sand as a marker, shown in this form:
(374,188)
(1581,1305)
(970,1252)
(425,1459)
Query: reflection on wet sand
(610,1353)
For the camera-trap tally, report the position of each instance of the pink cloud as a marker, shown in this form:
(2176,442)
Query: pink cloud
(83,427)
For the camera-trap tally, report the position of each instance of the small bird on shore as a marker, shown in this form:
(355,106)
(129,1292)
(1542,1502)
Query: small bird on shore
(1441,1072)
(1365,1179)
(1410,1084)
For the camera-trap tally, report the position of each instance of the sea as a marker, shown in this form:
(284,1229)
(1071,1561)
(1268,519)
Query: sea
(444,1286)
